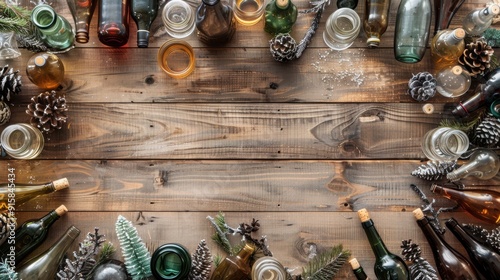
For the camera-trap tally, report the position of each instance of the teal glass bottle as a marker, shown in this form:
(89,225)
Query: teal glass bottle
(56,31)
(351,4)
(144,13)
(413,21)
(280,15)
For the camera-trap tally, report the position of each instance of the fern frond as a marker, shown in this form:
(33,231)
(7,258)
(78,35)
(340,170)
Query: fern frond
(326,265)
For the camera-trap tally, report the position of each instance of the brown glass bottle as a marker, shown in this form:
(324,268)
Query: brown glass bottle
(113,29)
(215,22)
(25,192)
(376,20)
(235,267)
(82,11)
(45,70)
(451,265)
(444,10)
(446,47)
(482,204)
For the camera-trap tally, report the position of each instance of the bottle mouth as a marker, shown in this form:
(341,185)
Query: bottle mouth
(43,16)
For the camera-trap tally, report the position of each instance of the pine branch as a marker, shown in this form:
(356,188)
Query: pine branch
(221,231)
(104,255)
(326,265)
(6,271)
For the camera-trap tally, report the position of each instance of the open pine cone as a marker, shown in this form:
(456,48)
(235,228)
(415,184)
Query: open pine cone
(422,86)
(476,57)
(4,113)
(47,111)
(10,83)
(283,47)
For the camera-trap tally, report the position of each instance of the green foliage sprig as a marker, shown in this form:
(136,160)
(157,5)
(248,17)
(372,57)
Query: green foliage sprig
(6,271)
(326,265)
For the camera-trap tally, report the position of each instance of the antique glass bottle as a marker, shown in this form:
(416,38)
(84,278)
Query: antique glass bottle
(215,22)
(26,192)
(444,144)
(351,4)
(22,141)
(387,265)
(280,16)
(82,11)
(376,20)
(453,81)
(144,13)
(30,235)
(357,269)
(45,70)
(113,28)
(446,47)
(486,261)
(444,10)
(450,264)
(477,21)
(412,30)
(45,265)
(171,262)
(268,268)
(482,204)
(235,267)
(55,30)
(483,164)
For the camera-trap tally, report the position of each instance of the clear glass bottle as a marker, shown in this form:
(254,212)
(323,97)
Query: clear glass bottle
(280,16)
(113,29)
(55,30)
(45,70)
(387,265)
(450,264)
(412,30)
(268,268)
(45,265)
(143,12)
(22,141)
(444,144)
(444,10)
(483,164)
(26,192)
(446,47)
(171,262)
(453,81)
(482,204)
(30,235)
(178,18)
(215,22)
(235,267)
(376,20)
(341,29)
(82,11)
(358,270)
(477,21)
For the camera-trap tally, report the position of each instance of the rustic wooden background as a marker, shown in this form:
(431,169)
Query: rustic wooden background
(338,134)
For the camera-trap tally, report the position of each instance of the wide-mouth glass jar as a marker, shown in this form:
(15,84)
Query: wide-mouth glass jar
(22,141)
(176,58)
(248,12)
(341,29)
(445,144)
(178,18)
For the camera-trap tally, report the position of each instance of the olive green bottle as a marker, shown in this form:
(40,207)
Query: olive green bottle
(280,15)
(14,194)
(235,267)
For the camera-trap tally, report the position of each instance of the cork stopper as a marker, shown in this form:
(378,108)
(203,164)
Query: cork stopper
(40,61)
(354,264)
(363,215)
(61,184)
(494,9)
(283,4)
(459,33)
(419,215)
(61,210)
(457,70)
(428,108)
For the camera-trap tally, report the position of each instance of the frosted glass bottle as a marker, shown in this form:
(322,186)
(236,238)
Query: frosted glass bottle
(56,31)
(446,47)
(453,81)
(45,70)
(477,21)
(376,20)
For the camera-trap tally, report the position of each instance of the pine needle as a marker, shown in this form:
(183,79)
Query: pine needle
(325,265)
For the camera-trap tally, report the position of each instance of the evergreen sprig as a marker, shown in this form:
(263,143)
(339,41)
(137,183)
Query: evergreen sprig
(325,265)
(6,271)
(221,232)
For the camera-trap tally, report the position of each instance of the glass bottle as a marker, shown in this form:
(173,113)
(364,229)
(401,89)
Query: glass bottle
(26,192)
(444,10)
(387,265)
(477,21)
(280,16)
(486,261)
(171,262)
(45,70)
(144,13)
(268,268)
(444,144)
(30,235)
(412,30)
(341,29)
(446,47)
(483,164)
(357,269)
(55,30)
(82,11)
(22,141)
(351,4)
(113,16)
(453,81)
(235,267)
(450,264)
(178,18)
(376,20)
(482,204)
(45,265)
(215,22)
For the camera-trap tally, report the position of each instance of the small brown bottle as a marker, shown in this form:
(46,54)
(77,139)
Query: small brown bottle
(235,267)
(45,70)
(376,20)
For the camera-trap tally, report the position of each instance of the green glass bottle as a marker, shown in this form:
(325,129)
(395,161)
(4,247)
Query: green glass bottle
(387,265)
(17,194)
(170,262)
(280,15)
(351,4)
(56,31)
(29,236)
(235,267)
(144,13)
(358,270)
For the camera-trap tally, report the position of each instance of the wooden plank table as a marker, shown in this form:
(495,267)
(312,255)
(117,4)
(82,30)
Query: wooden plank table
(339,133)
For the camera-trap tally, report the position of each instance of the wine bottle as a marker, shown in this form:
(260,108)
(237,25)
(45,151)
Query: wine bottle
(235,267)
(113,29)
(477,21)
(55,30)
(351,4)
(82,11)
(446,47)
(144,13)
(451,265)
(45,265)
(17,194)
(486,261)
(357,269)
(30,235)
(376,20)
(482,204)
(387,265)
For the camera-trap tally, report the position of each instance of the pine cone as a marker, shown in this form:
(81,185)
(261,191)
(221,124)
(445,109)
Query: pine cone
(10,83)
(6,224)
(283,47)
(4,113)
(422,270)
(201,262)
(410,250)
(487,132)
(432,171)
(476,57)
(482,235)
(422,86)
(47,111)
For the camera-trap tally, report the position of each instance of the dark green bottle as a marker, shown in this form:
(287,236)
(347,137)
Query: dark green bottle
(387,265)
(171,262)
(352,4)
(280,16)
(358,270)
(29,236)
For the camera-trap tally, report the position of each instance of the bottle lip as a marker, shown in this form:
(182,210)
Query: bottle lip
(40,60)
(160,255)
(459,33)
(61,210)
(210,2)
(43,8)
(282,4)
(373,42)
(61,184)
(451,222)
(493,9)
(354,263)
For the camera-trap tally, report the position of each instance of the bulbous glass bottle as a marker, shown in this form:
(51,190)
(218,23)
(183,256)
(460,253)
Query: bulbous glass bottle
(376,20)
(113,29)
(453,81)
(56,31)
(280,16)
(478,20)
(215,22)
(82,11)
(143,12)
(483,164)
(45,70)
(446,47)
(235,267)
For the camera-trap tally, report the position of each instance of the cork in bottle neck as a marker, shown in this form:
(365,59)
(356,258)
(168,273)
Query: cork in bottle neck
(60,184)
(354,263)
(61,210)
(419,214)
(363,215)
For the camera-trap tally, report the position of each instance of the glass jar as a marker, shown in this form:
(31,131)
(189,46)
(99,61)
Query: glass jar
(45,70)
(22,141)
(248,12)
(176,58)
(342,28)
(171,262)
(268,268)
(453,81)
(445,144)
(178,18)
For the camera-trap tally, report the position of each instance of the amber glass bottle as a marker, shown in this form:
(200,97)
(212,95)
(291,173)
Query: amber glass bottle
(25,192)
(376,20)
(446,47)
(82,11)
(45,70)
(113,29)
(235,267)
(215,22)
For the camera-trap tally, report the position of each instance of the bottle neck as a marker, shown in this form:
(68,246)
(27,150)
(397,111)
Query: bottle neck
(461,234)
(451,39)
(360,274)
(434,238)
(485,14)
(44,17)
(47,220)
(378,246)
(446,192)
(245,253)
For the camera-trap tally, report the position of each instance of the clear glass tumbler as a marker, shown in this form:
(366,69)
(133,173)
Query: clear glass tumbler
(248,12)
(178,18)
(22,141)
(342,28)
(445,144)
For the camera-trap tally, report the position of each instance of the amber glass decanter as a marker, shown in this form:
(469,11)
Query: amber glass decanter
(45,70)
(235,267)
(446,47)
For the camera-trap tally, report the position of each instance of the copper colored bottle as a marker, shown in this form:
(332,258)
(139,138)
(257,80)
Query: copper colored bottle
(82,11)
(235,267)
(45,70)
(113,22)
(444,10)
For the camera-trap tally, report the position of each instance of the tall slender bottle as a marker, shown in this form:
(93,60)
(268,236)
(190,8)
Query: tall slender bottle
(358,270)
(56,31)
(376,20)
(82,11)
(45,265)
(144,13)
(477,21)
(482,204)
(113,29)
(486,261)
(446,47)
(412,30)
(235,267)
(25,192)
(30,235)
(387,265)
(215,22)
(451,265)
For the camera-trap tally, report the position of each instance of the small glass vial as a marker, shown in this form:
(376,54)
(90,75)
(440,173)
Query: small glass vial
(56,31)
(45,70)
(444,144)
(178,18)
(477,21)
(22,141)
(248,12)
(268,268)
(342,28)
(453,81)
(171,262)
